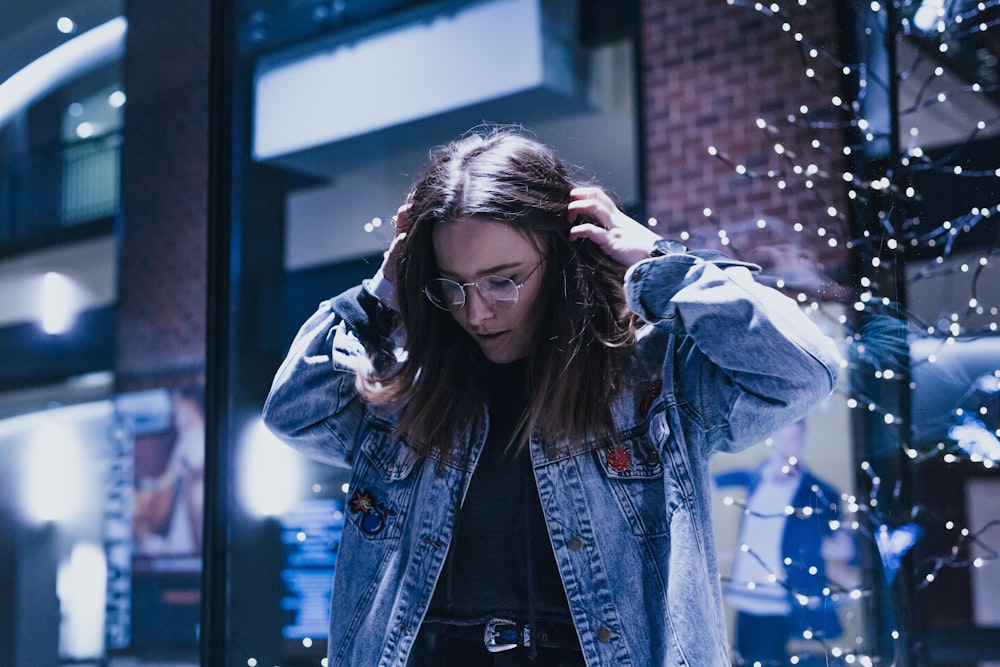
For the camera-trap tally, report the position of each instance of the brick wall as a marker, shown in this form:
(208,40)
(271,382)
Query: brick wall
(163,261)
(711,70)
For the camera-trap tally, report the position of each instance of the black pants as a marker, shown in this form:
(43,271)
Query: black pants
(436,646)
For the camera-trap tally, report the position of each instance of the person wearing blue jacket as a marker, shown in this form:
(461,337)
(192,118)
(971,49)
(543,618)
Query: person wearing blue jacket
(527,394)
(779,586)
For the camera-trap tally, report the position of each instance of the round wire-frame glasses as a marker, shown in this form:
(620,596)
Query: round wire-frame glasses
(449,294)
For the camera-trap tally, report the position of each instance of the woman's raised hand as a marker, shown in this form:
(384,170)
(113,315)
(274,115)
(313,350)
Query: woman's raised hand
(400,225)
(598,219)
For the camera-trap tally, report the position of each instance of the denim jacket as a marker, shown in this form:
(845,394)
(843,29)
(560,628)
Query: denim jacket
(723,362)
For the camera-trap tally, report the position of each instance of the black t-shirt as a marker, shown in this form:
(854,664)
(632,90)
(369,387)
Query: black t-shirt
(501,560)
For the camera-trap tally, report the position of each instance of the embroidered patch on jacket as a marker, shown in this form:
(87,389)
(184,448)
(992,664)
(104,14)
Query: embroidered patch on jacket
(374,513)
(619,459)
(648,396)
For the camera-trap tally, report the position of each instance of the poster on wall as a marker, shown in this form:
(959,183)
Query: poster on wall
(154,516)
(788,559)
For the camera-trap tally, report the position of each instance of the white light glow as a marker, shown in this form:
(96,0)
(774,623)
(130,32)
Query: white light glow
(81,585)
(927,15)
(270,473)
(53,487)
(83,53)
(60,304)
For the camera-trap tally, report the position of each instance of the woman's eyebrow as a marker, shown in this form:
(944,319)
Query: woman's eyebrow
(485,272)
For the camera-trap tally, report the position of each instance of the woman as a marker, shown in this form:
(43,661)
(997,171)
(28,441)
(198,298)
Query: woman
(527,393)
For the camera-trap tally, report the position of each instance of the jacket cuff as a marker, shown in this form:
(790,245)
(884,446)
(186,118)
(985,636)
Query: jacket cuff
(650,285)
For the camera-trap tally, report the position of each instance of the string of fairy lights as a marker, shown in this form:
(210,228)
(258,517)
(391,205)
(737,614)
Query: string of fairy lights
(896,226)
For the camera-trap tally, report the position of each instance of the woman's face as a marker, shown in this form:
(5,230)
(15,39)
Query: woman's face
(472,248)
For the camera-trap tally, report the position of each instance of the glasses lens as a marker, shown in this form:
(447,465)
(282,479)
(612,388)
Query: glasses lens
(498,289)
(444,293)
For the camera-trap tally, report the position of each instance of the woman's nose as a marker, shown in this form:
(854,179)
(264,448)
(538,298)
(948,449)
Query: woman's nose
(477,310)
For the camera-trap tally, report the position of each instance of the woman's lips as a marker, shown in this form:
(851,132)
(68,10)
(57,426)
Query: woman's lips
(490,337)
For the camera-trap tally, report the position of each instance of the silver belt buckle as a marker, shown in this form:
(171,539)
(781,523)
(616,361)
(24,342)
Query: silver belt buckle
(491,634)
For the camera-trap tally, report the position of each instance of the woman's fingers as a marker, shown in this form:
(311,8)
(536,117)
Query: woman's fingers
(592,203)
(400,226)
(588,230)
(588,210)
(401,221)
(600,221)
(389,261)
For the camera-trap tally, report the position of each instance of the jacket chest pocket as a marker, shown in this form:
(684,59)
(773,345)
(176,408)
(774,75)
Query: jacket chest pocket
(382,484)
(646,487)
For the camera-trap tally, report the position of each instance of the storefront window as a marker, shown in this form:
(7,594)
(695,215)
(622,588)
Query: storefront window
(345,106)
(849,199)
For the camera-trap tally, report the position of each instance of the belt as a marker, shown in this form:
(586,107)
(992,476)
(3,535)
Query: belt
(503,634)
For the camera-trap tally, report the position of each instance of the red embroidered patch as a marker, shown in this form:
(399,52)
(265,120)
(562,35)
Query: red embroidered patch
(618,459)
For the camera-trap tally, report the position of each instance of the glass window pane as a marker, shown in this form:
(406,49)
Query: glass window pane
(345,109)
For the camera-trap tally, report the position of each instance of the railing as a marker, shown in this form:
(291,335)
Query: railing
(50,190)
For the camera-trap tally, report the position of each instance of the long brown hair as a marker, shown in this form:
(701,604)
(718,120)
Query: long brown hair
(585,333)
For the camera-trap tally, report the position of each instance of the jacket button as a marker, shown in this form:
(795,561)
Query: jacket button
(604,635)
(576,544)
